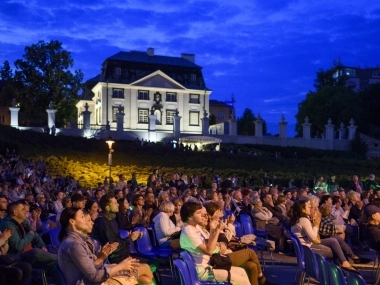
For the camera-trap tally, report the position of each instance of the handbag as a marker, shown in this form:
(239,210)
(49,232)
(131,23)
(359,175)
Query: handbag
(10,259)
(175,235)
(221,261)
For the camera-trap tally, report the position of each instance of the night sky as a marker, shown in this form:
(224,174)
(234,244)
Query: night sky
(265,52)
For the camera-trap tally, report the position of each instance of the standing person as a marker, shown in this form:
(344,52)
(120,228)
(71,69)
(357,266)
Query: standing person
(201,246)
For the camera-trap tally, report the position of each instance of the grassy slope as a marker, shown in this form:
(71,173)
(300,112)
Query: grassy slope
(86,159)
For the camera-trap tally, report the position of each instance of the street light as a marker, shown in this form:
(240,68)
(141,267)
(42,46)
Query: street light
(110,143)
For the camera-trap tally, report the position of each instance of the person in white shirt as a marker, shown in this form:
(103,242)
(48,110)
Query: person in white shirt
(164,227)
(201,245)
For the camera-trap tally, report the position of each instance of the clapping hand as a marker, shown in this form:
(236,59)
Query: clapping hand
(136,235)
(130,264)
(6,234)
(108,249)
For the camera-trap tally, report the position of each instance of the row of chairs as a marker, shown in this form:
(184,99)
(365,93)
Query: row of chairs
(313,265)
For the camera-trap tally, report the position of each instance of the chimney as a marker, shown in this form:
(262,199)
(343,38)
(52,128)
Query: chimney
(150,51)
(188,56)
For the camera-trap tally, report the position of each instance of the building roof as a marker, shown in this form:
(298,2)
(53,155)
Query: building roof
(143,57)
(216,102)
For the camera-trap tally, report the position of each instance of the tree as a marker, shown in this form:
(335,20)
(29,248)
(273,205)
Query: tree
(246,123)
(332,99)
(8,90)
(44,75)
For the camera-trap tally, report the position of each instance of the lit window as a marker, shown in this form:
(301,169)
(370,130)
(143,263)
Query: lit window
(169,117)
(171,97)
(117,71)
(115,110)
(194,98)
(194,118)
(117,93)
(143,95)
(143,116)
(193,77)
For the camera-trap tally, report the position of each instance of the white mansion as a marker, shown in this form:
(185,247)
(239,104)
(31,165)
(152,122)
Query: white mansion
(141,84)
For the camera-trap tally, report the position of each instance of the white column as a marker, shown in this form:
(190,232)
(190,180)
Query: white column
(51,117)
(282,125)
(177,125)
(14,116)
(329,130)
(258,126)
(86,118)
(306,129)
(351,130)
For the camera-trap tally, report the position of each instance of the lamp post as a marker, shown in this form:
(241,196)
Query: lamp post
(110,143)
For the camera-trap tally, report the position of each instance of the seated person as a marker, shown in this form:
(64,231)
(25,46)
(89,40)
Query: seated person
(176,217)
(138,201)
(76,255)
(372,236)
(266,222)
(214,213)
(305,225)
(201,246)
(25,240)
(164,227)
(18,273)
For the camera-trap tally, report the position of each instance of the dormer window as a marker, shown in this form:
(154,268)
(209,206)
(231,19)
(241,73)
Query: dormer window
(118,71)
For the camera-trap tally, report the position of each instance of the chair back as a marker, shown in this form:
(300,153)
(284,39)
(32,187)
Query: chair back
(238,229)
(57,275)
(323,274)
(153,237)
(53,233)
(184,274)
(246,223)
(144,244)
(124,234)
(311,264)
(353,278)
(299,253)
(335,274)
(191,268)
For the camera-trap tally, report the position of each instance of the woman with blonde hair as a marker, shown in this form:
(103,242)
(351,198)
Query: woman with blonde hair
(164,227)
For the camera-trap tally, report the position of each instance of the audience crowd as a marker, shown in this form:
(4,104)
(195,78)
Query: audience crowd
(332,220)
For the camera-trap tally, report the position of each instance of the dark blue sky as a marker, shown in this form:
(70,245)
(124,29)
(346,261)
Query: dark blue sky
(265,52)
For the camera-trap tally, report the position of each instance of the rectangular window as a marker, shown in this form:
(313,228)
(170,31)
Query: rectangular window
(143,95)
(117,93)
(115,110)
(143,116)
(194,118)
(193,77)
(169,117)
(117,71)
(194,98)
(171,97)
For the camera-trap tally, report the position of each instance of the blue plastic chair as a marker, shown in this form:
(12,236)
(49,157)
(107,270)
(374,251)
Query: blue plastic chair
(311,264)
(335,274)
(353,278)
(323,275)
(124,234)
(58,274)
(193,272)
(238,229)
(144,247)
(53,233)
(183,271)
(249,228)
(300,261)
